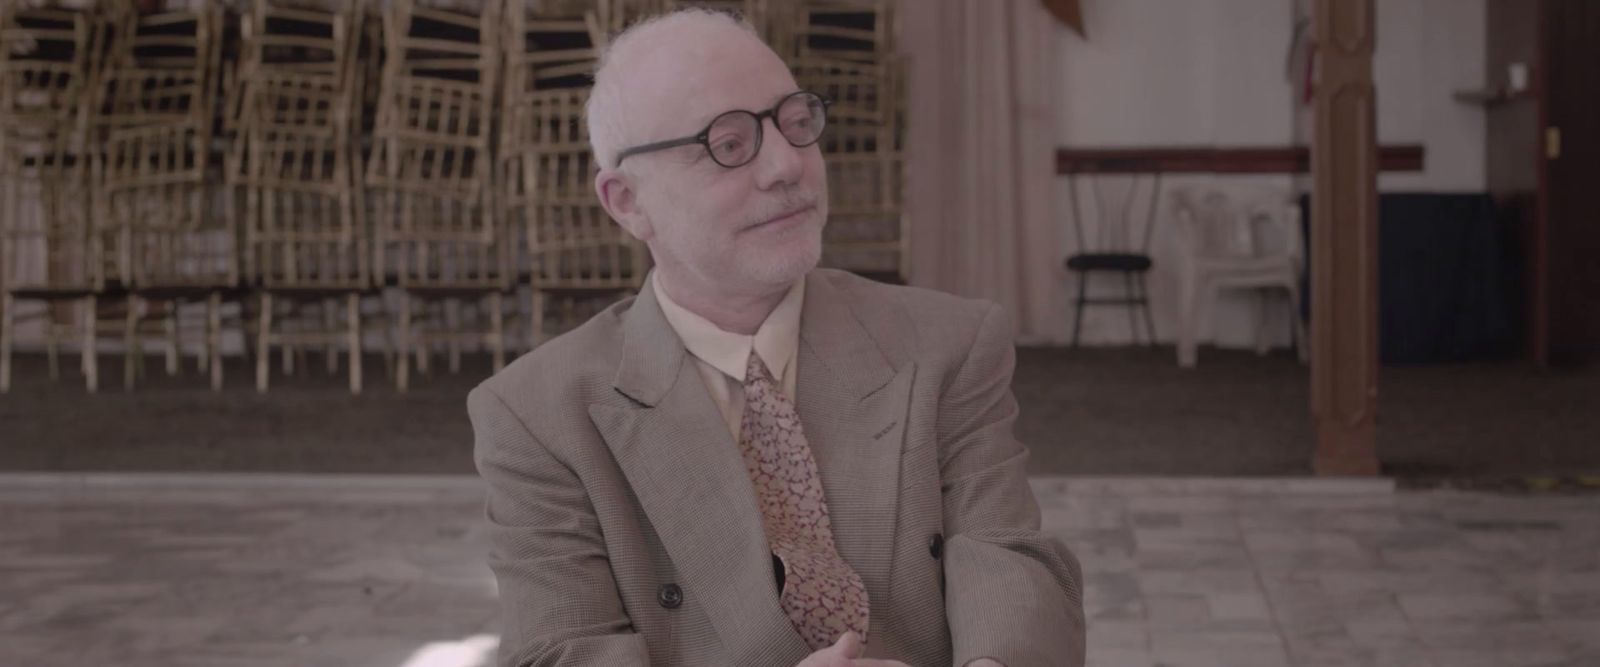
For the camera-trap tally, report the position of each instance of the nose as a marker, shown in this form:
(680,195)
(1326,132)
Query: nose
(779,163)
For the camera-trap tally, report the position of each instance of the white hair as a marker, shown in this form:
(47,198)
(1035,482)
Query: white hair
(608,132)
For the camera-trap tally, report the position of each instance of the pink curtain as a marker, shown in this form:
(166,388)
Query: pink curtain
(981,156)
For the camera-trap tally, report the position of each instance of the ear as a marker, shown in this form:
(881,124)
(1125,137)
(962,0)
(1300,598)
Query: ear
(617,194)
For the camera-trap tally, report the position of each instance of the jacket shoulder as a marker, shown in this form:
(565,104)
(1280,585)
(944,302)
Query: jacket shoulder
(575,368)
(917,319)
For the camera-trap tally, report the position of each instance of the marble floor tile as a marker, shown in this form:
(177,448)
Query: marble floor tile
(1508,657)
(258,571)
(1120,657)
(1467,607)
(1242,656)
(1361,656)
(1582,636)
(1458,634)
(1247,606)
(1119,635)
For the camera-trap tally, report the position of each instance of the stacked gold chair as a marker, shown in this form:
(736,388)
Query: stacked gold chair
(577,257)
(846,51)
(433,148)
(295,163)
(154,209)
(853,30)
(430,179)
(611,16)
(554,45)
(48,254)
(760,13)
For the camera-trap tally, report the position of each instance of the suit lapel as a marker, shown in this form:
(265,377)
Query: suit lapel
(687,473)
(853,405)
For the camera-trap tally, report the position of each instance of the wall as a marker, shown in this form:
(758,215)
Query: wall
(1427,50)
(1213,73)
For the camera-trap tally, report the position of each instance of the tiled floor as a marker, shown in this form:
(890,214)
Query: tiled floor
(388,572)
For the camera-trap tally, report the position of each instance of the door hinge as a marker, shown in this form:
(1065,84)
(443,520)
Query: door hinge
(1552,142)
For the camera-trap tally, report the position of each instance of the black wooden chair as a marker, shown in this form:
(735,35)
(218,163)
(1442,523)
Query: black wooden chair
(1113,239)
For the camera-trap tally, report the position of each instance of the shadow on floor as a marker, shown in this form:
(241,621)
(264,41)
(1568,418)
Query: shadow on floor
(1084,412)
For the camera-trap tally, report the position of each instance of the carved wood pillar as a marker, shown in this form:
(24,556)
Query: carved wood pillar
(1344,246)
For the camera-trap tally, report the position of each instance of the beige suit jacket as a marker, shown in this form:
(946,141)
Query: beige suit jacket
(625,531)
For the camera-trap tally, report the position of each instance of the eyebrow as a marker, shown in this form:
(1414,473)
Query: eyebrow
(705,120)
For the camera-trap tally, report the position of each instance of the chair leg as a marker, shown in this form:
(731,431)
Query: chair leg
(1144,302)
(452,318)
(419,337)
(172,338)
(402,378)
(497,336)
(1297,331)
(1188,327)
(8,314)
(391,334)
(1133,308)
(214,339)
(138,359)
(1205,307)
(330,354)
(263,342)
(353,306)
(1262,346)
(91,361)
(133,350)
(247,331)
(286,353)
(202,357)
(390,344)
(536,320)
(52,343)
(1077,315)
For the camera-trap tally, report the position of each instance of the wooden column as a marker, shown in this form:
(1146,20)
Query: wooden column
(1344,248)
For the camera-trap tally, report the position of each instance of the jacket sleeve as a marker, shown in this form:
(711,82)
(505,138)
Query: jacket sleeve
(559,601)
(1012,593)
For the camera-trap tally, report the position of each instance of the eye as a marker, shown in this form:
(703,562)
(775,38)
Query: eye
(727,145)
(797,122)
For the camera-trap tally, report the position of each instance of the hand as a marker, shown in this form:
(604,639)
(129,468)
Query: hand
(846,653)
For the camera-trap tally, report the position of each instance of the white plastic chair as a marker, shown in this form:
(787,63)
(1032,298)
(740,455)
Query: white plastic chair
(1237,240)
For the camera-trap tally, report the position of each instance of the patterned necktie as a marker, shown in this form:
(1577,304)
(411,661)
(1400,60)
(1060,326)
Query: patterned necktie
(822,595)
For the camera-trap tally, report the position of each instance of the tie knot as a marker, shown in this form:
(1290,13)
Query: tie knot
(755,369)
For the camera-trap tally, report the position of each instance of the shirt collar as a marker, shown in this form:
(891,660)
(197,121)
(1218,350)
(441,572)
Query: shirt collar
(776,340)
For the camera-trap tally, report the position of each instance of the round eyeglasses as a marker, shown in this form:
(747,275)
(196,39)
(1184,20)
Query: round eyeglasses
(733,139)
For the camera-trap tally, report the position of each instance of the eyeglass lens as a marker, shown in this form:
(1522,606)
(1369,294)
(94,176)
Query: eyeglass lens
(735,137)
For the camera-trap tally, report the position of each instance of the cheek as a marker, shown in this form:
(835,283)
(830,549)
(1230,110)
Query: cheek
(723,208)
(684,222)
(671,208)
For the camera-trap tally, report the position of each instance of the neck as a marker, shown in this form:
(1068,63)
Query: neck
(740,313)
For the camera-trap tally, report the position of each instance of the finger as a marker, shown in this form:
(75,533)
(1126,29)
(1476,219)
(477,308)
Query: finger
(869,662)
(849,645)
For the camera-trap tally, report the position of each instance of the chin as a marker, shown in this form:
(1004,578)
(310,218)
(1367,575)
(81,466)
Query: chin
(786,267)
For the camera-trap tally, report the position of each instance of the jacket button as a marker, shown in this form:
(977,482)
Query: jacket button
(670,596)
(936,546)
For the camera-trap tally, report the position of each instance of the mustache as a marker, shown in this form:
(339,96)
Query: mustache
(789,203)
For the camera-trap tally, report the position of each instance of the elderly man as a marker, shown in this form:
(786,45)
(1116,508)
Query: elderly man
(754,461)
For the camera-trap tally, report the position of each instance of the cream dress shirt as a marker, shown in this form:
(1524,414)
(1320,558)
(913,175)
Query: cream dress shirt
(721,356)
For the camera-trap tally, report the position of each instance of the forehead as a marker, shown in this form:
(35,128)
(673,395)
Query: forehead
(690,77)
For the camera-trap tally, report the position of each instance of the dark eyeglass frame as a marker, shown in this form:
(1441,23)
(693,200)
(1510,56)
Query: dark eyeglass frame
(704,136)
